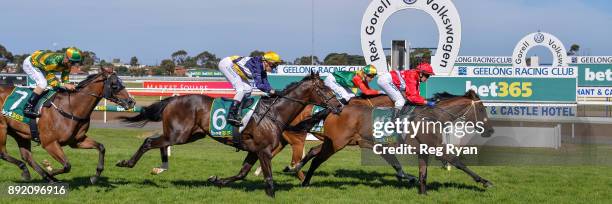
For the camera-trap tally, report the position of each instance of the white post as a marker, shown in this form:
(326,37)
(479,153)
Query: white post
(104,110)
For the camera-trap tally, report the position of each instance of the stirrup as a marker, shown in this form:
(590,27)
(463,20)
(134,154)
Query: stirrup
(235,122)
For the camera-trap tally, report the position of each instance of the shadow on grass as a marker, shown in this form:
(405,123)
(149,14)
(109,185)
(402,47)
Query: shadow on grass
(244,185)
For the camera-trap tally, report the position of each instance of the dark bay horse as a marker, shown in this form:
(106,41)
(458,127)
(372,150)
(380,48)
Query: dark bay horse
(64,123)
(186,119)
(297,139)
(354,125)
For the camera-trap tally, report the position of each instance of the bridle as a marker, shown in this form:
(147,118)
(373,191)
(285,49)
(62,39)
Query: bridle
(466,110)
(304,103)
(107,93)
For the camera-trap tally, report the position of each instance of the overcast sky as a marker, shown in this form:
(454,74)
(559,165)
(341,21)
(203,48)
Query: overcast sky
(153,29)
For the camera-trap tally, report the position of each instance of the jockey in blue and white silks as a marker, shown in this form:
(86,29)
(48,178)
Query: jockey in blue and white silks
(241,72)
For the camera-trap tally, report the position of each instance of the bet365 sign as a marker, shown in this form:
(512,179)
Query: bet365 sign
(539,86)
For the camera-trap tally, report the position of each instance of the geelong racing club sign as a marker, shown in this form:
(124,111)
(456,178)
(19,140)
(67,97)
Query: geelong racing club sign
(445,15)
(555,46)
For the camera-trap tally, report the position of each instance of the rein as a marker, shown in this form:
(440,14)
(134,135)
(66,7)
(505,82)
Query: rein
(462,116)
(72,116)
(301,102)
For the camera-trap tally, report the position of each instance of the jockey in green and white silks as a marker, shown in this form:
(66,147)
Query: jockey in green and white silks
(347,83)
(42,65)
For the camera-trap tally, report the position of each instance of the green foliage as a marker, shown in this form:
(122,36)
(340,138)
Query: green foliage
(167,67)
(256,53)
(134,61)
(122,70)
(306,60)
(419,56)
(179,57)
(573,50)
(207,60)
(343,59)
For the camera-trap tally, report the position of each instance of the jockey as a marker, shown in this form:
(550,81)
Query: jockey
(408,81)
(240,71)
(42,65)
(341,82)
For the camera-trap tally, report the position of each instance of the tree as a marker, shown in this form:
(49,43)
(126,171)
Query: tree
(336,59)
(418,56)
(134,61)
(573,50)
(207,60)
(307,60)
(18,59)
(5,57)
(256,53)
(356,60)
(122,70)
(167,66)
(190,62)
(179,57)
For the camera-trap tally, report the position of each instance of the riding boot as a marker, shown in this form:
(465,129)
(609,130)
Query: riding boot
(234,116)
(29,110)
(396,113)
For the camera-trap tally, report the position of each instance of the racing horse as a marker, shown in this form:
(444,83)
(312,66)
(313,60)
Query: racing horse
(186,119)
(64,123)
(297,138)
(354,125)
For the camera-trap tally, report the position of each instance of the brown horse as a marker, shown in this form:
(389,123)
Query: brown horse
(186,119)
(354,125)
(297,139)
(64,123)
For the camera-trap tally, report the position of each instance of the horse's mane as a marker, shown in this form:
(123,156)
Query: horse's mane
(295,84)
(440,96)
(363,96)
(87,80)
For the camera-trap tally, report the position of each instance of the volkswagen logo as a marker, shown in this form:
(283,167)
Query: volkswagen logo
(539,38)
(410,1)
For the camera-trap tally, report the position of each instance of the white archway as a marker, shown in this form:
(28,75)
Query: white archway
(519,56)
(445,15)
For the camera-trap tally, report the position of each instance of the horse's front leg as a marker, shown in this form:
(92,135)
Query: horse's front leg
(265,159)
(247,164)
(55,150)
(455,162)
(423,162)
(89,143)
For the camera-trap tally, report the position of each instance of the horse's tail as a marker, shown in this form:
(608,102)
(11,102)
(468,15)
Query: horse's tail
(306,125)
(149,113)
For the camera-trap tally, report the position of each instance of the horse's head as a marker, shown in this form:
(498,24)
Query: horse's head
(313,90)
(111,88)
(480,113)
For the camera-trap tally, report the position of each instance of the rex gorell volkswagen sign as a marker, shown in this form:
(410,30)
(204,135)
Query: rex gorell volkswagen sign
(444,14)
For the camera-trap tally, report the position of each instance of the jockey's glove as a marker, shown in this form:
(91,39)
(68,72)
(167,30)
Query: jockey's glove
(431,104)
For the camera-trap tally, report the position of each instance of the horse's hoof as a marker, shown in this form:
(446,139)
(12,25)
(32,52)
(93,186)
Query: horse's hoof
(25,176)
(216,181)
(305,184)
(93,179)
(157,170)
(406,178)
(270,193)
(123,163)
(287,169)
(487,184)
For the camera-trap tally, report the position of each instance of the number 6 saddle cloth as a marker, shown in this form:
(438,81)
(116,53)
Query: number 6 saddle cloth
(219,127)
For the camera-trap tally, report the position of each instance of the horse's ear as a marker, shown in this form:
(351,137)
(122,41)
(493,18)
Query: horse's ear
(472,95)
(107,70)
(317,75)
